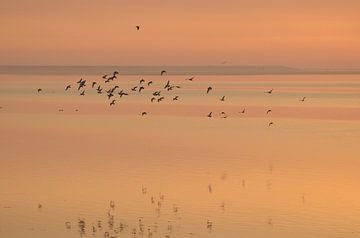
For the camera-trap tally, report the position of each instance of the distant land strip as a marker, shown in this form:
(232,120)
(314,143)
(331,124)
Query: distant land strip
(171,70)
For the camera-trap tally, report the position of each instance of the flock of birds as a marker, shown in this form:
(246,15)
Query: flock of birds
(114,93)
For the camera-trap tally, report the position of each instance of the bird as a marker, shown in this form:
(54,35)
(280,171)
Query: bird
(269,92)
(157,93)
(149,83)
(112,102)
(160,99)
(222,99)
(167,85)
(243,111)
(110,95)
(163,72)
(271,123)
(137,27)
(175,98)
(93,84)
(141,88)
(80,80)
(190,79)
(39,90)
(67,87)
(208,89)
(105,76)
(82,93)
(303,99)
(143,113)
(142,81)
(153,99)
(134,88)
(210,114)
(268,111)
(61,110)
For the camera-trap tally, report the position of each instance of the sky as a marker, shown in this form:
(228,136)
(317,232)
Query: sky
(308,33)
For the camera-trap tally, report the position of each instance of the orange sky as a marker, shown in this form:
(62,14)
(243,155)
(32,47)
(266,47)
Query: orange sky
(317,33)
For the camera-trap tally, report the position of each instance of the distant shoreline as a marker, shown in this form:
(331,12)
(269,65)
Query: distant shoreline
(171,70)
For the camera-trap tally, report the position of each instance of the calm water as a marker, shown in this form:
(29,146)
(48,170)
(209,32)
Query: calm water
(175,172)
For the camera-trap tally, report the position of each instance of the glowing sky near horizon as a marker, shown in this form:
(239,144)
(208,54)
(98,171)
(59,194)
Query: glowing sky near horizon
(315,33)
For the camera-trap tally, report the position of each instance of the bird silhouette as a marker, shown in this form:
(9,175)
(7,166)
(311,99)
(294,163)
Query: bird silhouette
(167,85)
(157,93)
(143,113)
(110,95)
(142,81)
(93,84)
(208,89)
(141,88)
(112,102)
(163,72)
(222,99)
(303,99)
(210,114)
(243,111)
(269,92)
(153,99)
(268,111)
(137,27)
(190,79)
(175,98)
(67,87)
(105,76)
(271,123)
(82,93)
(134,88)
(39,90)
(160,99)
(149,83)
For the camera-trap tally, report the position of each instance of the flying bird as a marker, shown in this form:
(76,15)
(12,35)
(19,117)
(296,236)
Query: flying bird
(167,85)
(149,83)
(82,93)
(93,84)
(269,92)
(208,89)
(112,102)
(134,88)
(268,111)
(157,93)
(303,99)
(210,114)
(137,27)
(175,98)
(39,90)
(153,99)
(143,113)
(105,76)
(243,111)
(67,87)
(141,88)
(271,123)
(142,81)
(110,95)
(222,99)
(191,79)
(163,72)
(160,99)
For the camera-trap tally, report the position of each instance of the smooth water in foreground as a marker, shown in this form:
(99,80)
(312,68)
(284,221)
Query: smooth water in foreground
(73,166)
